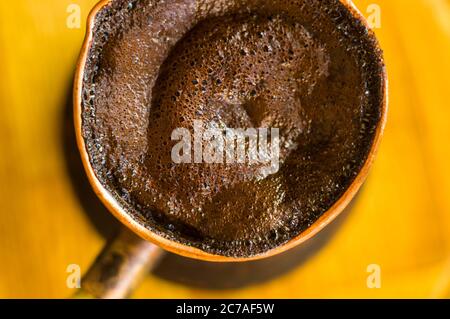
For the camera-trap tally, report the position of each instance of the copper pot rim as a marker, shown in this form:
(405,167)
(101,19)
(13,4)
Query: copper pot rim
(191,252)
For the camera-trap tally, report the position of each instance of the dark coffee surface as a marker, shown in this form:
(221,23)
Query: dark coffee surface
(305,67)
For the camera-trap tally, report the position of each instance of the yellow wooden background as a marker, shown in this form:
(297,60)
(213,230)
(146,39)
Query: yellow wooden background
(401,222)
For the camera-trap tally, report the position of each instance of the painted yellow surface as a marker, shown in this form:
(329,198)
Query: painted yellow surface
(401,222)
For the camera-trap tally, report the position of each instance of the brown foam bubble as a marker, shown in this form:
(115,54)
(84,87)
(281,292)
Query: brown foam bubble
(301,66)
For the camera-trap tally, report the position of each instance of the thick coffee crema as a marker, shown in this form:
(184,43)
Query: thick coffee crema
(305,67)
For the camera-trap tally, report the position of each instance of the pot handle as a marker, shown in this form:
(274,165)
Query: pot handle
(120,267)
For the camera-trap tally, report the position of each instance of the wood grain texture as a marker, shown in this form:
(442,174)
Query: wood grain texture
(401,221)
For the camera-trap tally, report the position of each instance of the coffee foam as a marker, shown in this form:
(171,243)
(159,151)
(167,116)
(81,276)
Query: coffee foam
(239,64)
